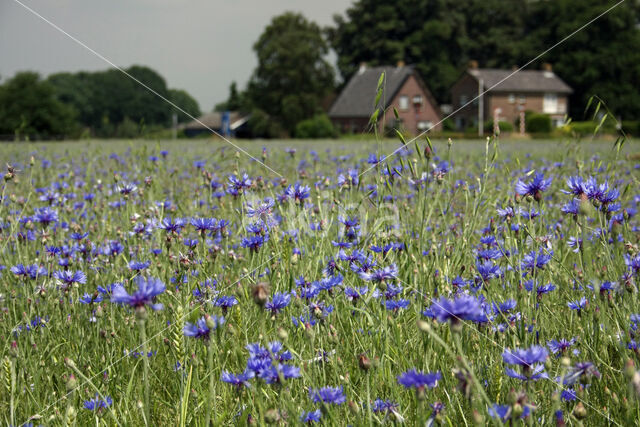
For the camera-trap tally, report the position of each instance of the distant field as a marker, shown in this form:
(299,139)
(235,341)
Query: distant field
(181,282)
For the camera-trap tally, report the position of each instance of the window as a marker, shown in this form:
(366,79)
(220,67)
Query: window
(550,103)
(512,98)
(522,99)
(424,125)
(463,100)
(417,100)
(403,102)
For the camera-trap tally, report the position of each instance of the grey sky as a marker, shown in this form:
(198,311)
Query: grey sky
(197,45)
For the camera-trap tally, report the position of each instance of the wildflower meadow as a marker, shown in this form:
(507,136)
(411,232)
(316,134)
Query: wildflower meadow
(331,283)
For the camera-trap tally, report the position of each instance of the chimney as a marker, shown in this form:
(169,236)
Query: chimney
(363,67)
(473,64)
(400,64)
(547,67)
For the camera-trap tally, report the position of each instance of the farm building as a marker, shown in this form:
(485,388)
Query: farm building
(508,95)
(225,123)
(404,90)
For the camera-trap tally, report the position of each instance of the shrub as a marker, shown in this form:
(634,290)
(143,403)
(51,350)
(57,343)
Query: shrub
(317,127)
(538,123)
(504,126)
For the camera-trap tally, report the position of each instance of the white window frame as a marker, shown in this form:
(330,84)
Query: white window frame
(550,103)
(403,102)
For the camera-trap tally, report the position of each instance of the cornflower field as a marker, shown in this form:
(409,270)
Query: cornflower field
(453,283)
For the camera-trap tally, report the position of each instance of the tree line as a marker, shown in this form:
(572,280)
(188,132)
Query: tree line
(440,38)
(102,104)
(294,83)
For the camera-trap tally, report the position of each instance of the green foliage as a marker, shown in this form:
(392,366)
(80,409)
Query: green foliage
(587,128)
(504,126)
(538,123)
(235,102)
(105,99)
(438,36)
(317,127)
(183,100)
(292,77)
(441,36)
(29,109)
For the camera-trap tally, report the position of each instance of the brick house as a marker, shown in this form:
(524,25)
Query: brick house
(404,90)
(540,91)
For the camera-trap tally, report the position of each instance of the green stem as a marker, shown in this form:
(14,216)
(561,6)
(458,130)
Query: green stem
(145,364)
(211,385)
(13,390)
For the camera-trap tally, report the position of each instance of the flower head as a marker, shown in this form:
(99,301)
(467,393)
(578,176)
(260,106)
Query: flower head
(148,289)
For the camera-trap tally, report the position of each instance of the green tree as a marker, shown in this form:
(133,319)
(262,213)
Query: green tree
(236,101)
(439,37)
(603,59)
(183,100)
(105,100)
(30,109)
(293,76)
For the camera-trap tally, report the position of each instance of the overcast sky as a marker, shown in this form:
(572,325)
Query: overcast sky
(197,45)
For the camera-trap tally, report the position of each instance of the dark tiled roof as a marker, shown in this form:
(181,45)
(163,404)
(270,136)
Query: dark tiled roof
(212,120)
(356,99)
(522,81)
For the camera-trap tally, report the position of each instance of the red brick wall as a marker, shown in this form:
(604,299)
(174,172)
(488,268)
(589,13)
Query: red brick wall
(427,112)
(467,86)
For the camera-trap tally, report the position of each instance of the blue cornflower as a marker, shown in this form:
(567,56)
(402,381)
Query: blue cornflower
(202,225)
(238,380)
(297,192)
(560,346)
(576,186)
(78,236)
(395,305)
(254,242)
(328,395)
(502,412)
(273,373)
(633,264)
(225,302)
(463,307)
(488,270)
(173,225)
(278,302)
(237,185)
(419,380)
(578,305)
(381,274)
(148,290)
(30,271)
(533,188)
(380,405)
(45,216)
(311,416)
(89,299)
(534,260)
(97,403)
(203,326)
(68,278)
(571,208)
(138,265)
(126,188)
(525,357)
(582,371)
(353,294)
